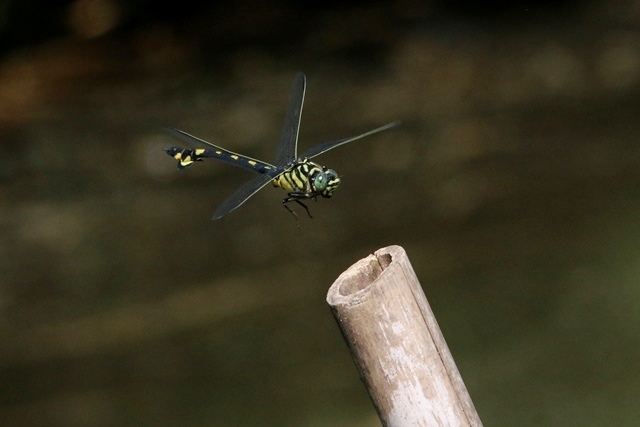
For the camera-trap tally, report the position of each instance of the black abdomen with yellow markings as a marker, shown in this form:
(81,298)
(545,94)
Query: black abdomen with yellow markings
(186,157)
(300,177)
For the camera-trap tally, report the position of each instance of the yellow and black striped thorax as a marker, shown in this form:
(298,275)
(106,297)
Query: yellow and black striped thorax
(308,178)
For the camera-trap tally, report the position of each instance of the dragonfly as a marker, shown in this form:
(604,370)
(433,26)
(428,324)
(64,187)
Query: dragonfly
(298,175)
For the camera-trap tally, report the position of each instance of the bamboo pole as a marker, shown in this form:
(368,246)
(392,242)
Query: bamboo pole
(397,344)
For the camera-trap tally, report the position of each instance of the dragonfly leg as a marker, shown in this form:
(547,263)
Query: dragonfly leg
(285,204)
(295,215)
(305,207)
(295,197)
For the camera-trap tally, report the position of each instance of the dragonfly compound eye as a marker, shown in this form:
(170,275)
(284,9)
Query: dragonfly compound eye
(332,180)
(320,181)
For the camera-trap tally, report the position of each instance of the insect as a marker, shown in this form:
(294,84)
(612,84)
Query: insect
(298,175)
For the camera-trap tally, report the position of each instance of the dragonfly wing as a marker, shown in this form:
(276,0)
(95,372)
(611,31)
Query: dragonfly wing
(242,195)
(323,148)
(189,139)
(288,146)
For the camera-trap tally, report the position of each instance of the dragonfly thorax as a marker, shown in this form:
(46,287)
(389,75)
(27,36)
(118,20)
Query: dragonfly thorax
(308,178)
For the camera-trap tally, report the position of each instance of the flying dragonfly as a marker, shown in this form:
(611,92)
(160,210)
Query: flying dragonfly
(298,175)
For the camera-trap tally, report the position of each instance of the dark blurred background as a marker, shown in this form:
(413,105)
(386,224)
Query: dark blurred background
(513,184)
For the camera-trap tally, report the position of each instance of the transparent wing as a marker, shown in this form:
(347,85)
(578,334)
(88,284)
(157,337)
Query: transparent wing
(242,195)
(288,146)
(323,148)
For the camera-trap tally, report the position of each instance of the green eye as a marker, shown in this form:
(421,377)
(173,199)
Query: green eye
(320,181)
(331,175)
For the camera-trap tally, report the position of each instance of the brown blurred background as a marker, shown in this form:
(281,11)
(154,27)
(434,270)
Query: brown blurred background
(513,185)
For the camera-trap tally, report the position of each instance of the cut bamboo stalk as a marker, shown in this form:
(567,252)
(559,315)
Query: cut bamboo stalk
(397,345)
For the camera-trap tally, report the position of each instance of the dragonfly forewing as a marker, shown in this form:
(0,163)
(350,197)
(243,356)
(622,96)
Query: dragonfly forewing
(323,148)
(287,150)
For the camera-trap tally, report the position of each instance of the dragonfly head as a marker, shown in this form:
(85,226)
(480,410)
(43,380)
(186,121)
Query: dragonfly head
(326,182)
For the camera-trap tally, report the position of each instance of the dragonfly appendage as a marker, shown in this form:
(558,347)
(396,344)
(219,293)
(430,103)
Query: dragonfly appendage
(185,156)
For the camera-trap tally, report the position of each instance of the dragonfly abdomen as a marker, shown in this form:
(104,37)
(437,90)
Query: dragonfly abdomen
(186,157)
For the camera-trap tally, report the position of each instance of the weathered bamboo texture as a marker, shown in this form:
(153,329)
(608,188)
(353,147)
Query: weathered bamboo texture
(397,344)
